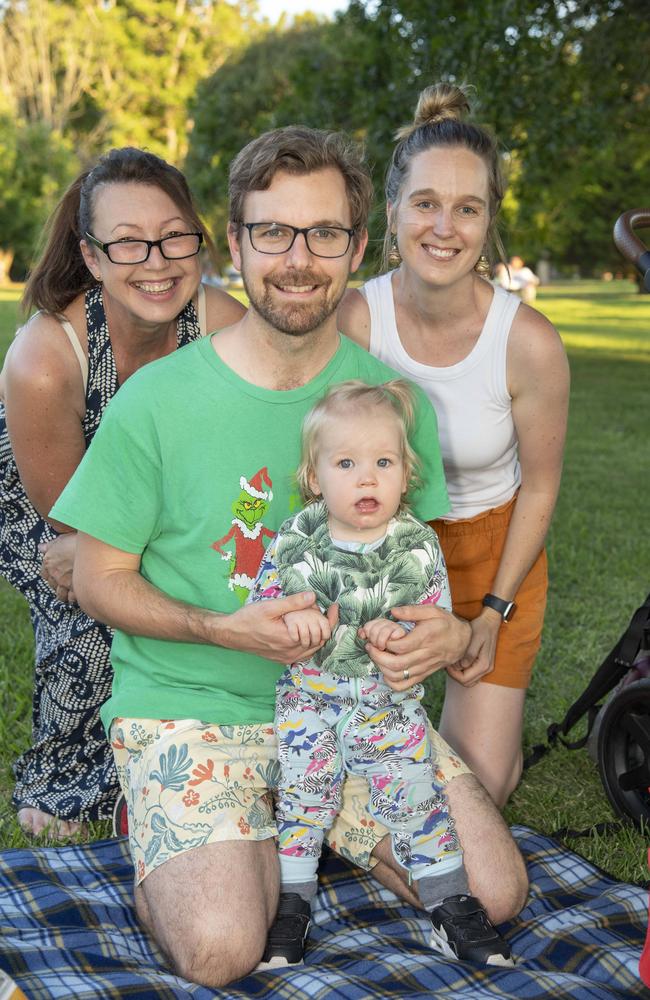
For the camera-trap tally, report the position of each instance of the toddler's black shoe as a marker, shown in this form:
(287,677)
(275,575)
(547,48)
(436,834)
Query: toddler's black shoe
(461,929)
(285,944)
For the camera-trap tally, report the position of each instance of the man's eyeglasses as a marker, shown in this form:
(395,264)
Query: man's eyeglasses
(276,237)
(137,251)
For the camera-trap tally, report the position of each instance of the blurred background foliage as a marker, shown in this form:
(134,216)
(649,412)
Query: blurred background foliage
(563,84)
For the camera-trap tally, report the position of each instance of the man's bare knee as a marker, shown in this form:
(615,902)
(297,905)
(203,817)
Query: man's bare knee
(213,961)
(222,939)
(495,868)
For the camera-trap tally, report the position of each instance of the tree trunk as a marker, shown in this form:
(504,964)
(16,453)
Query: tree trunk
(6,260)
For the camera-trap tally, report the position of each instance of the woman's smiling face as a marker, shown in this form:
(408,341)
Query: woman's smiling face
(442,216)
(156,290)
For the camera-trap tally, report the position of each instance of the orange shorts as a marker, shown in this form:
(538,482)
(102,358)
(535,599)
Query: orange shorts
(472,550)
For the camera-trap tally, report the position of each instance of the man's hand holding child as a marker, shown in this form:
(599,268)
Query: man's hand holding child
(380,631)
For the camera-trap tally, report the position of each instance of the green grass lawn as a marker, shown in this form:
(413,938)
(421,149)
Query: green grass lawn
(599,557)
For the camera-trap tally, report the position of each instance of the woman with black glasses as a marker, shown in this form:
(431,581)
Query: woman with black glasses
(117,285)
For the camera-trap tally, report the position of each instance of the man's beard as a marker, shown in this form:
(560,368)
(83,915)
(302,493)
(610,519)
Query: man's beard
(294,319)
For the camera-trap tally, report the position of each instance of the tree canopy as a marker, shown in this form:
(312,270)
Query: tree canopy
(563,85)
(562,82)
(87,75)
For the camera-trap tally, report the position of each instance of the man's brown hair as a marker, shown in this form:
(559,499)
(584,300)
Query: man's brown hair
(298,149)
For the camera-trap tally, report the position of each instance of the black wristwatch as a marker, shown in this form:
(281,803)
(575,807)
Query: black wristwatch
(505,608)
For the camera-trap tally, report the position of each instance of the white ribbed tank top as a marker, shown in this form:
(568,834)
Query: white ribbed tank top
(471,400)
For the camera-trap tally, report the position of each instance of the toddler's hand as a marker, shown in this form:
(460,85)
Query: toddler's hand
(380,631)
(309,627)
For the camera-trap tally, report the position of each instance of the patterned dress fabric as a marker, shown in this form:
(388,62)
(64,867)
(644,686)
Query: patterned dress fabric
(68,771)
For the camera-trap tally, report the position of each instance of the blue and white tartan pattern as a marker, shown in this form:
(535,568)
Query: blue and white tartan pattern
(67,929)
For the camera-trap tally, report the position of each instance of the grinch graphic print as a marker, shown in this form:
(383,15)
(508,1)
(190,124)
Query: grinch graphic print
(243,545)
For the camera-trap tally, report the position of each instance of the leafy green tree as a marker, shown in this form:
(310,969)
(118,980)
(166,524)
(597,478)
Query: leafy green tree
(564,85)
(79,76)
(50,61)
(561,83)
(156,53)
(119,72)
(587,155)
(316,73)
(28,192)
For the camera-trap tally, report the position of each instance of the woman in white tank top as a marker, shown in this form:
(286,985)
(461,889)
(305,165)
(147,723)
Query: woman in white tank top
(498,377)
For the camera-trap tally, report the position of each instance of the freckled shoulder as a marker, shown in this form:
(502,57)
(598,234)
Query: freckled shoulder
(535,351)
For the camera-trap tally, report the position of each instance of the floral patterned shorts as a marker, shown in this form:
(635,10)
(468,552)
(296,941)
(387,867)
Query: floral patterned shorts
(188,783)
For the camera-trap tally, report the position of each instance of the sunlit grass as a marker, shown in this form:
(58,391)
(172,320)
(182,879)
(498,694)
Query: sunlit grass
(606,317)
(9,300)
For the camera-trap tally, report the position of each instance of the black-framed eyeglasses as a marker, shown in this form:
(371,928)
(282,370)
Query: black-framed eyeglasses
(277,237)
(174,247)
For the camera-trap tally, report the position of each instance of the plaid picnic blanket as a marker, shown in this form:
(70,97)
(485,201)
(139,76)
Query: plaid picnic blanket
(67,929)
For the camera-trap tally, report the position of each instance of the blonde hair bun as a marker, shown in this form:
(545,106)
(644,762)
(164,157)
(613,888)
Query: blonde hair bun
(438,103)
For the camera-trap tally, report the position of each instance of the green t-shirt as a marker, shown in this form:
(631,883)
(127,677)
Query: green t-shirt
(192,467)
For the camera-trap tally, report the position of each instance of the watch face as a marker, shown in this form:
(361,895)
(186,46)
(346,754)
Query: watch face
(509,611)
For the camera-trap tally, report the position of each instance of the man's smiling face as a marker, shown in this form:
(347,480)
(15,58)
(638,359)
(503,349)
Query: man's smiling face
(296,292)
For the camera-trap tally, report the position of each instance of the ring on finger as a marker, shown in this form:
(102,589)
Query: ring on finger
(405,673)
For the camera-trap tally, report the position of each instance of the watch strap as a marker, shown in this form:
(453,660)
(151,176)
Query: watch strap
(505,608)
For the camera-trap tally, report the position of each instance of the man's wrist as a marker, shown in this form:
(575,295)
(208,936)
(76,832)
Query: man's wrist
(464,636)
(491,616)
(207,626)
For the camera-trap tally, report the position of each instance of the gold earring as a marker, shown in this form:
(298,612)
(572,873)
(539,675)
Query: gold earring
(394,256)
(482,266)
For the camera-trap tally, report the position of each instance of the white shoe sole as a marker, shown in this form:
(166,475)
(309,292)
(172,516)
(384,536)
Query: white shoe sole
(277,963)
(440,942)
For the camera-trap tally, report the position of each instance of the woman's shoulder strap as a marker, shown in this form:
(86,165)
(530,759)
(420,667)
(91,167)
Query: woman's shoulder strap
(76,347)
(202,310)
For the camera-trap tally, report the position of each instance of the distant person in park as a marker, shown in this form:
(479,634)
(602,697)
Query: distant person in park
(523,280)
(189,476)
(117,285)
(497,375)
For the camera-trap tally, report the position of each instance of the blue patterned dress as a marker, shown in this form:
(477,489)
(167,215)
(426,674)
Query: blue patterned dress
(68,771)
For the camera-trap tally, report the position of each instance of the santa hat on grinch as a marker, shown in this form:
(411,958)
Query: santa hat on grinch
(255,488)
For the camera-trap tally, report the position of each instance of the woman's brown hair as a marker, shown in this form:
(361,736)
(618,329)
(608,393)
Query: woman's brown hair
(61,273)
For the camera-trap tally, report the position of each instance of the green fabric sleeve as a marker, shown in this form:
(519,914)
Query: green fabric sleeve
(115,493)
(431,499)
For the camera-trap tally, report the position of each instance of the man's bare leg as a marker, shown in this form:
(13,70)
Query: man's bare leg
(209,909)
(493,862)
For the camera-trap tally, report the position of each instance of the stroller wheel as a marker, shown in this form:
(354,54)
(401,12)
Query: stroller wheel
(624,750)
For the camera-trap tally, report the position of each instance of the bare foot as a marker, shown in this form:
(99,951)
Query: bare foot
(35,821)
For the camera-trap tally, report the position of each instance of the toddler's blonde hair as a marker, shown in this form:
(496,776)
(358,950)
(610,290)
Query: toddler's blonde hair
(395,397)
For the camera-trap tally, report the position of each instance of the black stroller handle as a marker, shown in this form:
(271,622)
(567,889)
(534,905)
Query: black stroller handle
(629,244)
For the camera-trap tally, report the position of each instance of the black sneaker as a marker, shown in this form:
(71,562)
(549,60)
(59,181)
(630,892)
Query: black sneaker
(461,929)
(285,944)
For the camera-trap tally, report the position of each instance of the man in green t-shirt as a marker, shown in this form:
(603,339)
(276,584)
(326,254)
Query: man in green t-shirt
(189,475)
